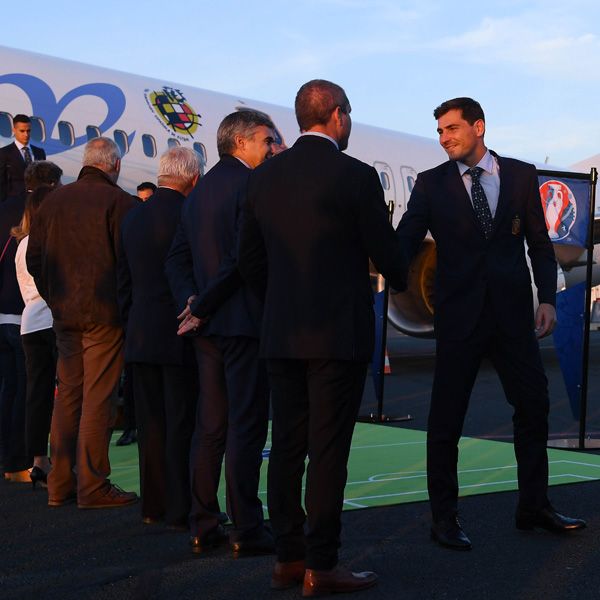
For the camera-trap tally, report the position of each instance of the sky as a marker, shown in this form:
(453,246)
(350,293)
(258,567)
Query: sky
(534,65)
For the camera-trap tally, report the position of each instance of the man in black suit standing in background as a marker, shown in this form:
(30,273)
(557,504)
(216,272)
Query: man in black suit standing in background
(232,412)
(15,158)
(480,209)
(162,363)
(313,218)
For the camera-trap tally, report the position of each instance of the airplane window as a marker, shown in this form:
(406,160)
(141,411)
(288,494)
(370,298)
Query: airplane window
(121,140)
(66,133)
(38,129)
(173,143)
(411,183)
(385,180)
(92,132)
(149,145)
(5,125)
(201,151)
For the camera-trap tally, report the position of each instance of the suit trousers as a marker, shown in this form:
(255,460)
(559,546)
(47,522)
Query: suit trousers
(165,403)
(90,361)
(128,401)
(231,421)
(40,363)
(315,404)
(12,400)
(518,363)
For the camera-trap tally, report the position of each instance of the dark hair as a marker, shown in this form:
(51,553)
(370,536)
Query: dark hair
(21,119)
(316,100)
(242,123)
(32,204)
(146,185)
(470,109)
(42,172)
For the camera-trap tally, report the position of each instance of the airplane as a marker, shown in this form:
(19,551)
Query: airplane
(71,103)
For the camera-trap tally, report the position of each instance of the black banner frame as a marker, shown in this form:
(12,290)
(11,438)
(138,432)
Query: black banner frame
(592,178)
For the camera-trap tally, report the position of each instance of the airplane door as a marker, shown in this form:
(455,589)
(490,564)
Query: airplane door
(408,176)
(386,176)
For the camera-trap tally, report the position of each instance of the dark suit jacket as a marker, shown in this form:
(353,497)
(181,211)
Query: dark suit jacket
(313,218)
(11,212)
(146,303)
(12,169)
(201,258)
(471,268)
(73,246)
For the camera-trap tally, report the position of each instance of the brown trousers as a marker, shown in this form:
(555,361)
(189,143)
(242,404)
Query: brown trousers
(90,361)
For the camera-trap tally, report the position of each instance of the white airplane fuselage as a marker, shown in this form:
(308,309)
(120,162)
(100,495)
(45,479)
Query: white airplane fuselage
(71,102)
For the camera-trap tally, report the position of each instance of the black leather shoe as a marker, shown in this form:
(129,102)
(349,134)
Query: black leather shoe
(547,518)
(337,580)
(213,539)
(38,475)
(128,437)
(449,533)
(258,545)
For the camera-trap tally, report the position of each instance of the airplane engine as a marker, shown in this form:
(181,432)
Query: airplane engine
(411,312)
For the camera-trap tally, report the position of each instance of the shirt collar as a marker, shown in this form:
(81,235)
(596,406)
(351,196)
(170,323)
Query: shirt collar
(21,146)
(243,162)
(323,135)
(486,163)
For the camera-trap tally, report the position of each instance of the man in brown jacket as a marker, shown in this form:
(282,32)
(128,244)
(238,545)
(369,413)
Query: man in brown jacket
(72,257)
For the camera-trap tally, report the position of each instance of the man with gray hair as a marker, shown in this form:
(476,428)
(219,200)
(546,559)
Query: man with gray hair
(162,363)
(72,253)
(232,412)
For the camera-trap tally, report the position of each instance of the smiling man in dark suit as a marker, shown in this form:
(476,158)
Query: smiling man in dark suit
(481,209)
(313,218)
(233,403)
(162,363)
(15,158)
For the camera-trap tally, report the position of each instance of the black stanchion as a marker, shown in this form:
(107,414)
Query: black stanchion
(379,364)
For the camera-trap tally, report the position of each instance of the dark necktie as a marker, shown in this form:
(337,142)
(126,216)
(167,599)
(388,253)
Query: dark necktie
(27,156)
(480,203)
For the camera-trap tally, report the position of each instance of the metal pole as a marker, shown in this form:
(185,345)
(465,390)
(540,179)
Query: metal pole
(586,314)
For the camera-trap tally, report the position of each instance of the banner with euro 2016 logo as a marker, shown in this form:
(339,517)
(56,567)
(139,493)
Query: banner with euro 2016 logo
(566,206)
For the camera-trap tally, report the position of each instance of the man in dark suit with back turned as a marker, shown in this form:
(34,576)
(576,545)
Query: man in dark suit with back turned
(15,158)
(162,363)
(232,412)
(480,209)
(313,218)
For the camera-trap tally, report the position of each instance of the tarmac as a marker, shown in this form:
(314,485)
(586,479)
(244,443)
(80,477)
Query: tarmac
(109,554)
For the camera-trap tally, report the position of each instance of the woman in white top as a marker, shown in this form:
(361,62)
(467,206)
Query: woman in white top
(39,345)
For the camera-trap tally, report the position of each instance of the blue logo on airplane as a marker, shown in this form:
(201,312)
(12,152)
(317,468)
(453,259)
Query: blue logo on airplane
(45,106)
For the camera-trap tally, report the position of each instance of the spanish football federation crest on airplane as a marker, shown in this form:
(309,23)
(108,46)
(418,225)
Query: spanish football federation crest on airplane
(172,111)
(560,208)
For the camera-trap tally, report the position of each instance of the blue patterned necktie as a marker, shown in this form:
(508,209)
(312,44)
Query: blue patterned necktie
(480,203)
(27,156)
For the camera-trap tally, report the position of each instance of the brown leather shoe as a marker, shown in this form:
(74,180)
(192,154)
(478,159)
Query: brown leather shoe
(110,497)
(287,574)
(319,583)
(18,476)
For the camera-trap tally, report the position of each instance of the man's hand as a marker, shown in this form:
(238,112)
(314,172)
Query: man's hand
(188,321)
(545,320)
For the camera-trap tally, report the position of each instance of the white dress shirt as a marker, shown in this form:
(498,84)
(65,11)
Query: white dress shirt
(489,179)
